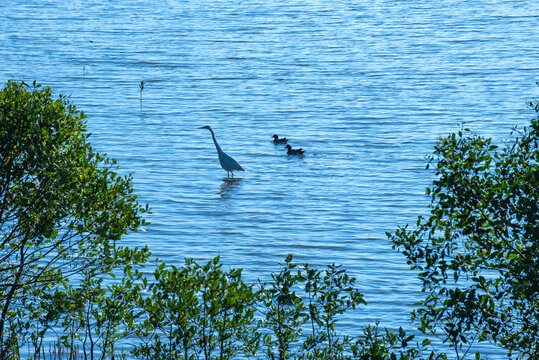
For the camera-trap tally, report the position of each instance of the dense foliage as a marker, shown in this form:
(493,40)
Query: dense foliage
(62,210)
(204,312)
(477,253)
(64,273)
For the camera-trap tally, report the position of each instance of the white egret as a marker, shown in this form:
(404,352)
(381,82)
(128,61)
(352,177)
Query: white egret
(277,140)
(227,162)
(291,151)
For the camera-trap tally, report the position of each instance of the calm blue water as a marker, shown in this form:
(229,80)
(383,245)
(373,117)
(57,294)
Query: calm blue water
(364,86)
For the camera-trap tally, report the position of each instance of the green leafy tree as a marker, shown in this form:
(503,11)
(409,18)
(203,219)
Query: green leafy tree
(226,316)
(330,293)
(168,329)
(283,311)
(477,253)
(63,208)
(197,312)
(376,344)
(301,307)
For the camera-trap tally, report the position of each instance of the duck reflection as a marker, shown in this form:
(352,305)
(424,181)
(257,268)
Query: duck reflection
(229,186)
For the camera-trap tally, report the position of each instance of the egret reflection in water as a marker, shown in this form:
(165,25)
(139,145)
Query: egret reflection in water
(225,206)
(229,186)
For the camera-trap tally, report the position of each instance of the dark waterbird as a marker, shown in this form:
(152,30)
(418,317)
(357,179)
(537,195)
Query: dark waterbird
(291,151)
(277,140)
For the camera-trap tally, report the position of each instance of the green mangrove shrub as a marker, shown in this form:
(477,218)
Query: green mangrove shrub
(301,306)
(63,211)
(477,251)
(329,294)
(64,272)
(283,312)
(197,312)
(205,312)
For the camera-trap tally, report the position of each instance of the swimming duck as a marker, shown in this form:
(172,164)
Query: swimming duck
(291,151)
(277,140)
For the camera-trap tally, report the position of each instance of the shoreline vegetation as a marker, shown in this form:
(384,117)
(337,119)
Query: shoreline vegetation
(64,210)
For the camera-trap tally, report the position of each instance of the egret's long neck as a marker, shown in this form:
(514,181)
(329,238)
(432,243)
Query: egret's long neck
(215,142)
